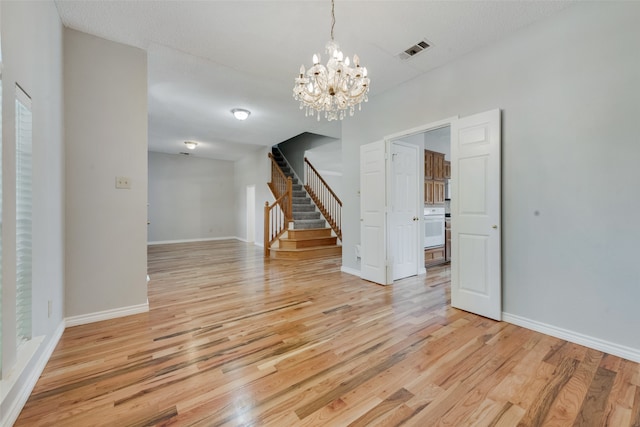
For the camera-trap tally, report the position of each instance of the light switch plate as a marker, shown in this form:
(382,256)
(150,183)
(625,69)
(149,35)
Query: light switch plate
(123,182)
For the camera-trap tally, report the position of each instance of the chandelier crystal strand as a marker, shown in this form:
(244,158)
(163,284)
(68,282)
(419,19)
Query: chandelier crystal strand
(335,88)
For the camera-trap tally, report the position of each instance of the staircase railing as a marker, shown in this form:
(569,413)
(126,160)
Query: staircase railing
(323,196)
(279,214)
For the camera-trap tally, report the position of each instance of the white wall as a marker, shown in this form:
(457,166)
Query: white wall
(439,140)
(568,88)
(255,170)
(32,56)
(106,136)
(327,159)
(190,198)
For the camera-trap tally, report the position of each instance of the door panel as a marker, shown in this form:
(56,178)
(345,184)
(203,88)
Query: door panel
(404,210)
(373,251)
(475,208)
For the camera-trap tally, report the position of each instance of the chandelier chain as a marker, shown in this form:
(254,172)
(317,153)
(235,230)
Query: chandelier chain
(333,17)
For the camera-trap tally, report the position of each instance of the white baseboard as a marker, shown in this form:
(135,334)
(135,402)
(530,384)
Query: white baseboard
(350,270)
(83,319)
(422,271)
(242,239)
(23,394)
(208,239)
(625,352)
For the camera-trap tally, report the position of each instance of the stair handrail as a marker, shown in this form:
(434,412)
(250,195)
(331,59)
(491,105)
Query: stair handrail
(279,214)
(324,197)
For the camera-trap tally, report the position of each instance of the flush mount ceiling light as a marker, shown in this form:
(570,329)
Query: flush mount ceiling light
(191,145)
(240,113)
(334,88)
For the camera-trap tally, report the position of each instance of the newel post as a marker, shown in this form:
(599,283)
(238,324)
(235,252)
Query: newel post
(266,230)
(290,202)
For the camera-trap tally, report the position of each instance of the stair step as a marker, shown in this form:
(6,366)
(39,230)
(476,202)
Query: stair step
(299,193)
(305,215)
(297,187)
(309,223)
(308,242)
(306,253)
(300,200)
(303,208)
(308,233)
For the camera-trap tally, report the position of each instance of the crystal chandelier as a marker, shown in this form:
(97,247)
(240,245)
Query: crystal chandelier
(335,88)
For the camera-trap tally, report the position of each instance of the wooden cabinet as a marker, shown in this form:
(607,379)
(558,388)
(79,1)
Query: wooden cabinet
(434,175)
(433,256)
(428,192)
(438,192)
(434,165)
(447,169)
(438,165)
(447,239)
(428,164)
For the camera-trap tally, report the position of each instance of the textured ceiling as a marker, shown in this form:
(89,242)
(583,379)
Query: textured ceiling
(207,57)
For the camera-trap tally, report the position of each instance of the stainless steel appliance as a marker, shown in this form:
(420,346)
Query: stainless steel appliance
(433,226)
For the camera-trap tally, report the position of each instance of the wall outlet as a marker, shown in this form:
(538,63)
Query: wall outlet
(123,182)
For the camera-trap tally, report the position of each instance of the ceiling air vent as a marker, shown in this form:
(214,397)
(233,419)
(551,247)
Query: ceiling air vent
(414,50)
(185,154)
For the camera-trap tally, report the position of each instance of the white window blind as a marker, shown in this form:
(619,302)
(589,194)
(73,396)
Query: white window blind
(23,215)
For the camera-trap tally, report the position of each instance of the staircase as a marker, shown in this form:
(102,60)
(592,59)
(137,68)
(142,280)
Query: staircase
(310,236)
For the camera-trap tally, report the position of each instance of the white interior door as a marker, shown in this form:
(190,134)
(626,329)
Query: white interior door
(475,210)
(404,218)
(373,216)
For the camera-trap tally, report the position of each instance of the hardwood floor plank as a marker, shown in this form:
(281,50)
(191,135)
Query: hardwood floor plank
(593,406)
(635,410)
(573,395)
(539,409)
(234,339)
(510,415)
(390,403)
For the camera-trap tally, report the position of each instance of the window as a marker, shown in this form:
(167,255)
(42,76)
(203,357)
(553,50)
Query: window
(23,215)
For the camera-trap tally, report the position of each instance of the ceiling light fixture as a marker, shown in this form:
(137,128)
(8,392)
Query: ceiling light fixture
(335,88)
(191,145)
(240,113)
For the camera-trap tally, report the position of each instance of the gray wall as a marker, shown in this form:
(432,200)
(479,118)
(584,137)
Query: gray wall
(293,149)
(32,56)
(190,198)
(568,88)
(106,136)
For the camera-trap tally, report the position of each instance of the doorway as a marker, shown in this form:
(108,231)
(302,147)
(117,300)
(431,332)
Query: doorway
(475,212)
(251,213)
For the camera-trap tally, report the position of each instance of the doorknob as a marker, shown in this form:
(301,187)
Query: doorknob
(495,227)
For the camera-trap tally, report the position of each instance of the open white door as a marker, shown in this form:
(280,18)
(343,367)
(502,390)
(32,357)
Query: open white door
(373,216)
(476,284)
(404,217)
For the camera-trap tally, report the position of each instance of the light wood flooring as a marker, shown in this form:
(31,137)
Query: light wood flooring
(232,339)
